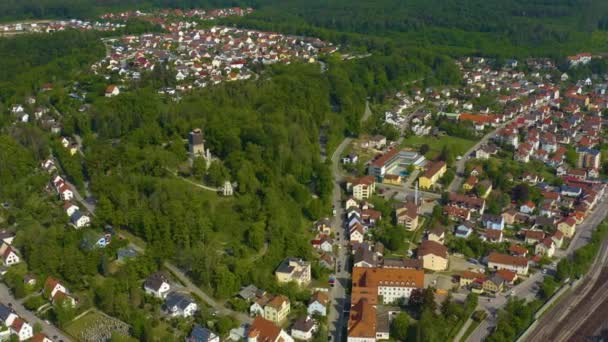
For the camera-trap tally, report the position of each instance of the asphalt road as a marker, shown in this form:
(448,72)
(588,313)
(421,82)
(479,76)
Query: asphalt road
(563,319)
(460,164)
(50,330)
(339,300)
(527,289)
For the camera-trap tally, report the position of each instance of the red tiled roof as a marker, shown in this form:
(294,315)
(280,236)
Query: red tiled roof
(506,259)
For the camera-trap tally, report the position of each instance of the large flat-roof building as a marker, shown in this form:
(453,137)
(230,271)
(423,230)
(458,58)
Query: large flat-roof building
(395,162)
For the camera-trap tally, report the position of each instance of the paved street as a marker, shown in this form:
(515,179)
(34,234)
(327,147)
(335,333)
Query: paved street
(339,300)
(460,164)
(50,330)
(529,287)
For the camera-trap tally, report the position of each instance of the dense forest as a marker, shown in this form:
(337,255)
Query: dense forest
(492,27)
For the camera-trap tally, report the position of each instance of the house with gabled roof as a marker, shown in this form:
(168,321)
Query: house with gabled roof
(498,261)
(22,329)
(157,285)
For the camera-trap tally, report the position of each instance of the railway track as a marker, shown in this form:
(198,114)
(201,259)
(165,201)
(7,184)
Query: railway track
(555,325)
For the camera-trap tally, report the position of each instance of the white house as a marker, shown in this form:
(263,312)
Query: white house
(7,316)
(303,329)
(179,305)
(527,208)
(318,304)
(157,285)
(22,329)
(9,256)
(52,286)
(80,220)
(65,192)
(70,208)
(112,90)
(499,261)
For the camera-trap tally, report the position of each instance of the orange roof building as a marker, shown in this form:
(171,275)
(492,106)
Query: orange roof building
(390,283)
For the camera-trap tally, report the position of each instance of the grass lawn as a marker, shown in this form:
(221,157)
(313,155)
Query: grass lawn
(459,146)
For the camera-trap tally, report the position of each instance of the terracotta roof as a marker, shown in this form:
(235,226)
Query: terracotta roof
(39,337)
(507,275)
(381,160)
(472,275)
(50,284)
(492,234)
(365,180)
(433,169)
(518,250)
(264,330)
(17,324)
(277,302)
(362,320)
(366,280)
(432,247)
(320,297)
(506,259)
(534,234)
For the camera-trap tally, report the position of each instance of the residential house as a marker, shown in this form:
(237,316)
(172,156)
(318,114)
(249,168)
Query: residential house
(567,226)
(40,337)
(293,269)
(468,277)
(433,173)
(263,330)
(437,234)
(434,255)
(509,276)
(7,315)
(509,216)
(303,329)
(532,236)
(492,235)
(407,216)
(52,287)
(70,208)
(80,220)
(318,304)
(495,222)
(493,284)
(363,188)
(463,230)
(498,261)
(157,285)
(201,334)
(528,207)
(546,247)
(277,309)
(112,91)
(22,329)
(9,255)
(518,250)
(558,238)
(180,305)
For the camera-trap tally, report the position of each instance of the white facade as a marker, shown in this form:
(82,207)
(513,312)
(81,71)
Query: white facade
(11,259)
(162,291)
(391,294)
(521,270)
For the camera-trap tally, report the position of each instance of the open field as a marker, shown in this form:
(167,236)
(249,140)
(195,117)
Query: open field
(458,145)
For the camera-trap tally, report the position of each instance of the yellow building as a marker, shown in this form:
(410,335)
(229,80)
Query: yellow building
(434,255)
(432,174)
(392,179)
(277,309)
(567,226)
